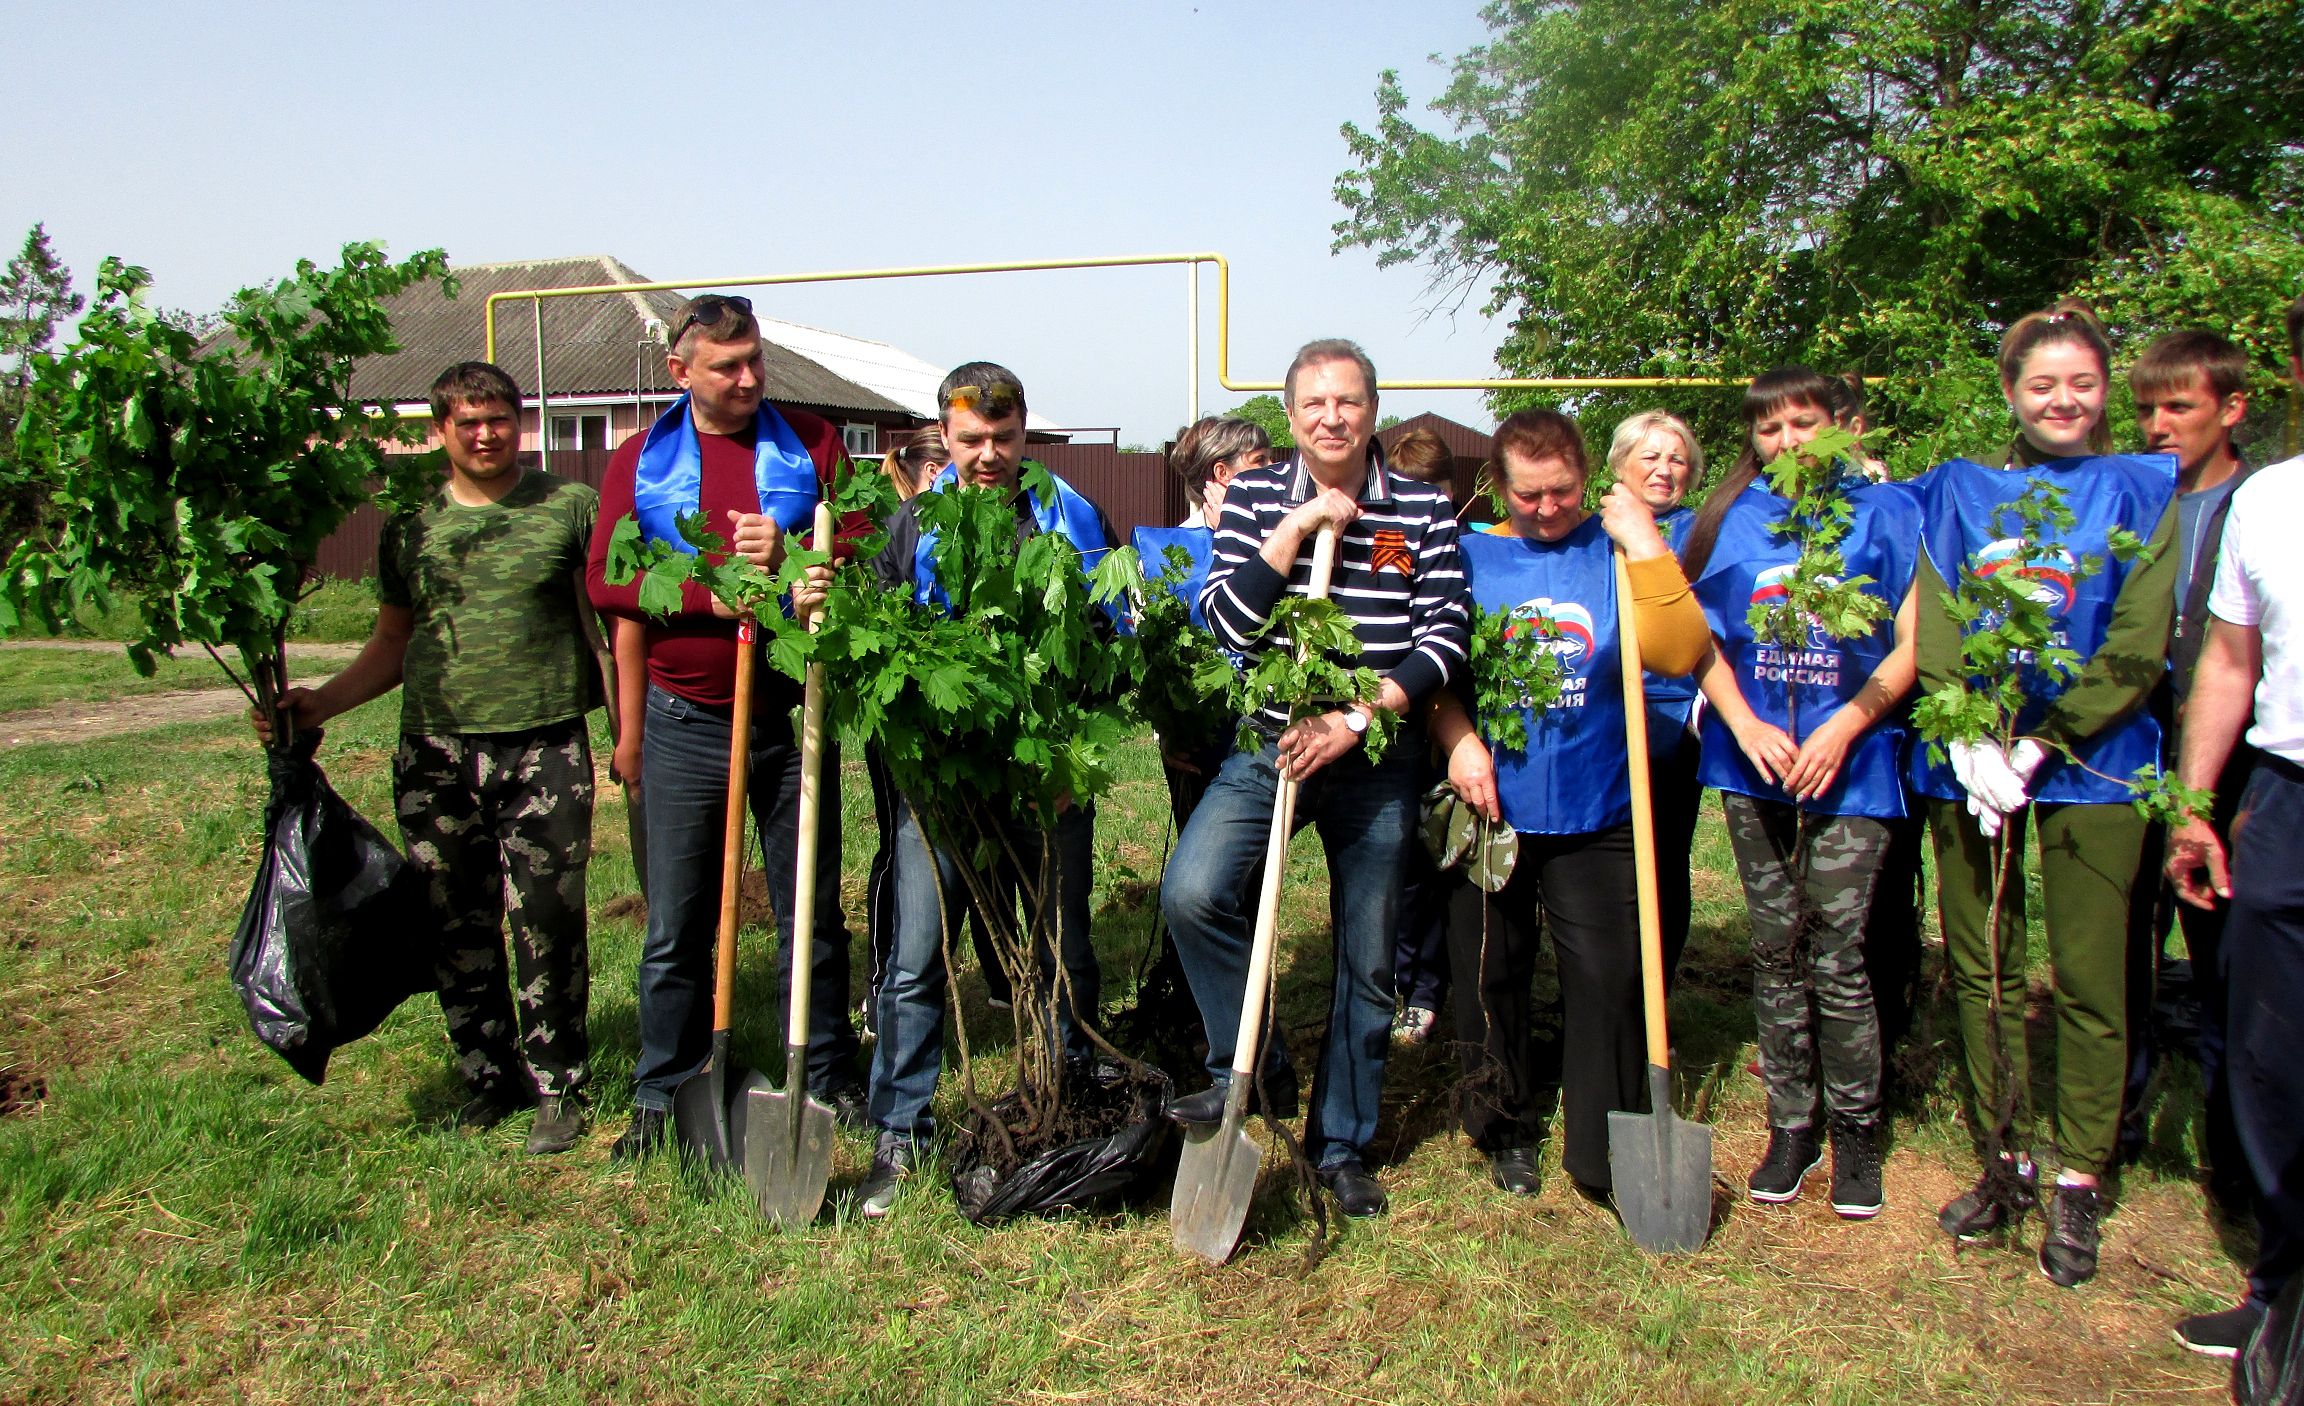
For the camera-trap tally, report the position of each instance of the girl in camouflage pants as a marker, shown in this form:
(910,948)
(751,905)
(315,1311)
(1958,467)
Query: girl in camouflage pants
(1800,743)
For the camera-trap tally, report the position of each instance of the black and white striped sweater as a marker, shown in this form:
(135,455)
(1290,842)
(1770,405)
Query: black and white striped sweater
(1397,573)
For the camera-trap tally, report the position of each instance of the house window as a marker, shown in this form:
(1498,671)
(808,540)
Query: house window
(860,440)
(580,432)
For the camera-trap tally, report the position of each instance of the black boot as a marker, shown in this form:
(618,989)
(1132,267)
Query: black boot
(1792,1154)
(1856,1167)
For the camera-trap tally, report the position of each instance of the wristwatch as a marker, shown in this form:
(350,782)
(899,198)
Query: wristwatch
(1356,721)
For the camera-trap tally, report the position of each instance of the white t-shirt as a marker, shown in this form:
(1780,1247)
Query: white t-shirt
(2260,582)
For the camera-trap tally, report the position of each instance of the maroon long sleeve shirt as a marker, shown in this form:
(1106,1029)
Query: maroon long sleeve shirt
(693,653)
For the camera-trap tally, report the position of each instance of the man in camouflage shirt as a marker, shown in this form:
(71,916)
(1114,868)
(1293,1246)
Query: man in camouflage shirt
(482,622)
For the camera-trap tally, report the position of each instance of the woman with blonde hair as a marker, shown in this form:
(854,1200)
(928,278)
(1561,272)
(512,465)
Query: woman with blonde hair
(1657,454)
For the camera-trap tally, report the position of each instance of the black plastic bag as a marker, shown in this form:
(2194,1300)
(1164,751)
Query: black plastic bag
(1078,1175)
(335,934)
(2270,1369)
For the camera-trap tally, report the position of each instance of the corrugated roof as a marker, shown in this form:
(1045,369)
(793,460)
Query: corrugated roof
(592,345)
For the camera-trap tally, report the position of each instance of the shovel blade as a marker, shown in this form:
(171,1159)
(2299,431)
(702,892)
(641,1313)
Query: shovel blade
(708,1117)
(1215,1181)
(788,1140)
(1661,1166)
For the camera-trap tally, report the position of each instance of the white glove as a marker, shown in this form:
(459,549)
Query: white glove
(2024,759)
(1984,770)
(1987,819)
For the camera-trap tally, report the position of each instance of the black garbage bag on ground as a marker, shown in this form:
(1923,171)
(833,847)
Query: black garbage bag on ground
(335,934)
(1120,1153)
(2270,1369)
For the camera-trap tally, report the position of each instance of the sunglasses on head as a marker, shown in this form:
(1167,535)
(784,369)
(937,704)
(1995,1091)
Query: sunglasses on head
(991,402)
(707,311)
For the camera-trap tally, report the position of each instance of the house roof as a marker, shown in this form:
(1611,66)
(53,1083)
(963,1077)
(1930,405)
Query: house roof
(592,345)
(878,367)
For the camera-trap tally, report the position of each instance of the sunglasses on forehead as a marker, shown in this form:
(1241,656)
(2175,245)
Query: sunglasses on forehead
(708,311)
(989,401)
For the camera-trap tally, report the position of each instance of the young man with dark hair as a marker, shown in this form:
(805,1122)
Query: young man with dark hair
(2191,392)
(981,410)
(482,624)
(1399,579)
(757,471)
(2250,678)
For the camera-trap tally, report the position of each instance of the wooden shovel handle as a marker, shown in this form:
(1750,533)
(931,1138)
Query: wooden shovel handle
(732,838)
(811,802)
(1244,1049)
(1643,822)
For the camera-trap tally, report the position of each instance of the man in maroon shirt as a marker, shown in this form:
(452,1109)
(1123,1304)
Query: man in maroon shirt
(756,471)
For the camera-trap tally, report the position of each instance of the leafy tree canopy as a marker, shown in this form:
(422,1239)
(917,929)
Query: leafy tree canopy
(200,478)
(1718,188)
(1267,411)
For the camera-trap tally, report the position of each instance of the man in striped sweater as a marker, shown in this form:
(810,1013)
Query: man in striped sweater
(1398,578)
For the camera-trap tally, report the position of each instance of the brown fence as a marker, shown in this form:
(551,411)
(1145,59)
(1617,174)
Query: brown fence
(349,554)
(1134,490)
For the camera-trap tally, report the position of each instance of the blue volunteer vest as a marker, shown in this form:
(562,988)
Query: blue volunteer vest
(1797,689)
(1964,520)
(1671,698)
(1071,515)
(669,479)
(1572,780)
(1152,544)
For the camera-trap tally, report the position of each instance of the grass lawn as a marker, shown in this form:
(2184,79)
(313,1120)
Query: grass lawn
(181,1218)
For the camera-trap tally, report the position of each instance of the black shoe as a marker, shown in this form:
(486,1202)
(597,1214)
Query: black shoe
(894,1158)
(1856,1168)
(643,1138)
(1357,1193)
(493,1105)
(848,1104)
(559,1122)
(1207,1106)
(1792,1154)
(1976,1212)
(1513,1170)
(2068,1246)
(2220,1334)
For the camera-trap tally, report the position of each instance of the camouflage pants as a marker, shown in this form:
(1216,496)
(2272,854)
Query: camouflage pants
(501,824)
(1808,883)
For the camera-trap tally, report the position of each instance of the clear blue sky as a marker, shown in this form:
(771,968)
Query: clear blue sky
(217,143)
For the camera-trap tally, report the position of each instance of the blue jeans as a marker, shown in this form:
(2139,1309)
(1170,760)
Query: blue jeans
(684,790)
(931,900)
(1365,815)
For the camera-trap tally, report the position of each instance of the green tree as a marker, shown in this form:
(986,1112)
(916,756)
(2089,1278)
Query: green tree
(35,295)
(1714,189)
(200,480)
(1267,411)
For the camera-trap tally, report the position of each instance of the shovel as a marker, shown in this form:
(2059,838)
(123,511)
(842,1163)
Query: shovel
(1216,1174)
(788,1136)
(708,1109)
(1660,1163)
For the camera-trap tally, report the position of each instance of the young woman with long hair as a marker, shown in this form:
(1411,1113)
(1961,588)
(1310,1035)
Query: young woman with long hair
(1802,742)
(2080,738)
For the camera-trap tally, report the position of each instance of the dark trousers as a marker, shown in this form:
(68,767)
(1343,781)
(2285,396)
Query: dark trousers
(931,895)
(1420,953)
(1580,889)
(2264,965)
(2154,907)
(1676,800)
(501,826)
(685,790)
(880,902)
(1365,814)
(1892,942)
